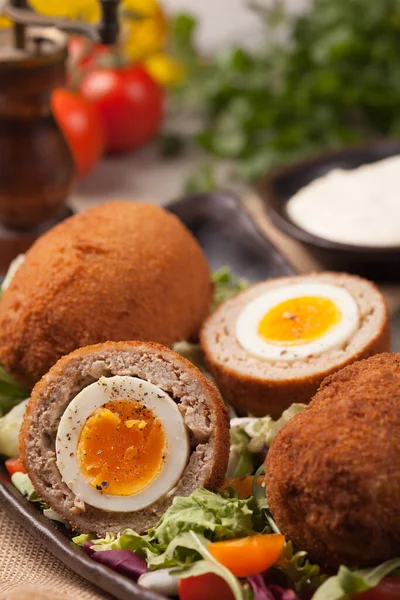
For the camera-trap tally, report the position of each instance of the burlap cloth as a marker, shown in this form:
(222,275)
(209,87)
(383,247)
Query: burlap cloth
(27,569)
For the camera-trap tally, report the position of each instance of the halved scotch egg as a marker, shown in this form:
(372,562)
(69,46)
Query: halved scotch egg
(274,343)
(113,432)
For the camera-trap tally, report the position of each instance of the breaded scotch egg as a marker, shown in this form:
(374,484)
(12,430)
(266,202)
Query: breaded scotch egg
(114,431)
(274,343)
(119,271)
(333,471)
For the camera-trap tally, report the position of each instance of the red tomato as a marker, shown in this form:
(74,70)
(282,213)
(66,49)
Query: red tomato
(82,127)
(14,465)
(388,589)
(205,587)
(130,103)
(82,52)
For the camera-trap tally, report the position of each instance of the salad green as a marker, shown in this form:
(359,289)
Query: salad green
(179,541)
(226,285)
(24,485)
(210,515)
(11,393)
(250,436)
(318,79)
(346,582)
(10,426)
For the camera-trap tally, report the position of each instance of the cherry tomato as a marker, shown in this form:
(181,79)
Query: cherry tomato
(82,127)
(205,587)
(130,103)
(249,555)
(14,465)
(388,589)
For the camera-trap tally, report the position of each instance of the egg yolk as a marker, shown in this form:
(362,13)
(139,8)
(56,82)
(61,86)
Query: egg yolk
(121,448)
(299,320)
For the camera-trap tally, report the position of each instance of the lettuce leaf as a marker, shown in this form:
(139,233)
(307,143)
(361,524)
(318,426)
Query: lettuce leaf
(299,572)
(209,564)
(24,485)
(127,540)
(214,516)
(346,583)
(11,393)
(10,426)
(211,516)
(241,460)
(250,436)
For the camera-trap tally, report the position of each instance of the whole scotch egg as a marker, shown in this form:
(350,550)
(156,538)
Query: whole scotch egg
(114,431)
(275,342)
(117,271)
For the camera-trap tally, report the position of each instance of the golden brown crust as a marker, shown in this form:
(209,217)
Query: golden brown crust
(220,433)
(260,396)
(118,271)
(332,476)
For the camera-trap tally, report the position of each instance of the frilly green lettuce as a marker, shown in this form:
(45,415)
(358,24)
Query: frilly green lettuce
(208,514)
(10,425)
(346,583)
(301,574)
(24,485)
(249,435)
(11,393)
(204,512)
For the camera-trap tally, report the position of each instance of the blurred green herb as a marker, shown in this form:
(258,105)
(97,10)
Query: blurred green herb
(201,180)
(322,79)
(226,285)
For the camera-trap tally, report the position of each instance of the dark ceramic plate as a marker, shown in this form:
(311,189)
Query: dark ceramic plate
(229,237)
(375,263)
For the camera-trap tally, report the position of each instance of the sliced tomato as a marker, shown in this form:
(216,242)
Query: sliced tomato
(14,465)
(205,587)
(82,127)
(242,485)
(388,589)
(249,555)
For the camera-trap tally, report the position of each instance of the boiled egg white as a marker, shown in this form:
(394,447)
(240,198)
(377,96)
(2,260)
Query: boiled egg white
(121,444)
(298,321)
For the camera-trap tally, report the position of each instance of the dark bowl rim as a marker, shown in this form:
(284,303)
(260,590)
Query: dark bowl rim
(265,189)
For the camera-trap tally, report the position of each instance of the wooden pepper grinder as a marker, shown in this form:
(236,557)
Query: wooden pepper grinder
(36,164)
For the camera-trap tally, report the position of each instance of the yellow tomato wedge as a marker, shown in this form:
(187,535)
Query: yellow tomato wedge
(249,555)
(242,485)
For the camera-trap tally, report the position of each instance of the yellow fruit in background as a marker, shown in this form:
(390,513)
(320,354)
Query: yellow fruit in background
(4,22)
(165,69)
(144,30)
(146,34)
(87,10)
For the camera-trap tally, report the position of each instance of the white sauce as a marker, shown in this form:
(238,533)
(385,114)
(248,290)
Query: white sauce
(359,206)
